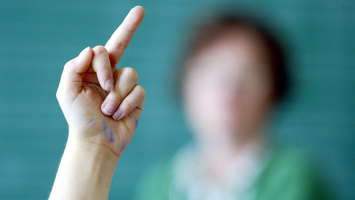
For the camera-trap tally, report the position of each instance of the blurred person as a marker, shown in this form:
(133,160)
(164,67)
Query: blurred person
(232,77)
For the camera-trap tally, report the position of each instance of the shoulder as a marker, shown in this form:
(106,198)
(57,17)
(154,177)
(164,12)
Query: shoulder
(289,162)
(289,174)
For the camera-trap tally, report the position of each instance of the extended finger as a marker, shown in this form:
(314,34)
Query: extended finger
(126,78)
(120,39)
(130,102)
(101,65)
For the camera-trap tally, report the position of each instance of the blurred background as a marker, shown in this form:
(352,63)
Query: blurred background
(38,37)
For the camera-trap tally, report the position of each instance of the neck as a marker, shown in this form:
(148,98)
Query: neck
(218,153)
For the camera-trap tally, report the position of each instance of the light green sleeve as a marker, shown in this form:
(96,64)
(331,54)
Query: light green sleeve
(290,176)
(156,183)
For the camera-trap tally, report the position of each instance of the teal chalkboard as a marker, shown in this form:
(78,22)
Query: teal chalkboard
(38,37)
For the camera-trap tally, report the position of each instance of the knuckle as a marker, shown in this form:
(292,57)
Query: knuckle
(69,64)
(131,74)
(141,91)
(99,49)
(121,46)
(127,106)
(129,31)
(117,96)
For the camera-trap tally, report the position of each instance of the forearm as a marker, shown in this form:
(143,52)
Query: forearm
(85,172)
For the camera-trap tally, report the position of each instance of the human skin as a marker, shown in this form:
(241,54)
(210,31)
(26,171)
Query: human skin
(102,106)
(227,97)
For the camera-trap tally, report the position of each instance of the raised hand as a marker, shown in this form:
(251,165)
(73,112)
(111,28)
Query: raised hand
(101,104)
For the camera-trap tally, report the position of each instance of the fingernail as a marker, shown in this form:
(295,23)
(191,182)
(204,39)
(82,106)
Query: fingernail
(117,114)
(109,108)
(109,85)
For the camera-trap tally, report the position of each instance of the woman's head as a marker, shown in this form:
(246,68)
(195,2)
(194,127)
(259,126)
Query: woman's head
(232,76)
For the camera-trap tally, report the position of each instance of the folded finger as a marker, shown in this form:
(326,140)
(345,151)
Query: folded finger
(130,102)
(126,79)
(71,79)
(101,65)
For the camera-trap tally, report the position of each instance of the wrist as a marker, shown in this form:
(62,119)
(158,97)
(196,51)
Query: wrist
(94,148)
(85,171)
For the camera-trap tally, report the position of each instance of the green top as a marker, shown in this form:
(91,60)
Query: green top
(287,176)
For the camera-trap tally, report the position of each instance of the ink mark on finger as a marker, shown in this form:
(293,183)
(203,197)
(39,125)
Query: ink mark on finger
(124,146)
(135,122)
(105,128)
(111,137)
(91,87)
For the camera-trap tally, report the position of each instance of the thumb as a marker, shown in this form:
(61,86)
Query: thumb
(72,78)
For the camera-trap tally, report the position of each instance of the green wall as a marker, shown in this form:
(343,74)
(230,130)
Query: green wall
(38,37)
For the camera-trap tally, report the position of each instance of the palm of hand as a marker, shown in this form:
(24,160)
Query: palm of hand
(89,124)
